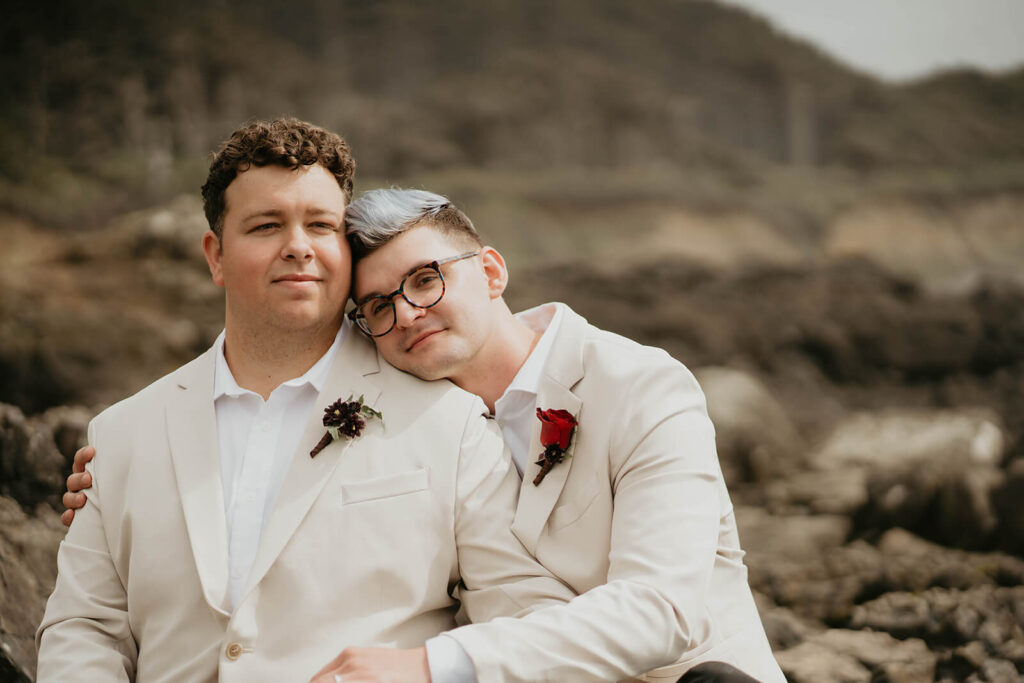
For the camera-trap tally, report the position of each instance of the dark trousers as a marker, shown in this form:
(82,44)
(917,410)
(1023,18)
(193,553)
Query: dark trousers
(715,672)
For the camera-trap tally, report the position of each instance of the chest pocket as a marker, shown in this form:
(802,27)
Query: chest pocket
(388,486)
(578,501)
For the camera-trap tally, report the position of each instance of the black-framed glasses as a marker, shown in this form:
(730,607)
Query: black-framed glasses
(423,287)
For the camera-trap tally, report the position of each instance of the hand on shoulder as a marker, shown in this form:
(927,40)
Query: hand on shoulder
(79,480)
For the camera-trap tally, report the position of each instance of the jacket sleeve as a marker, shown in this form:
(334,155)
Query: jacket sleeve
(668,490)
(85,634)
(499,577)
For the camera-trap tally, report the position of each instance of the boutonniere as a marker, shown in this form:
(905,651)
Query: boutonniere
(556,431)
(344,419)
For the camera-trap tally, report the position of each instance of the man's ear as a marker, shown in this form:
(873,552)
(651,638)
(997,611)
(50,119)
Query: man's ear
(495,271)
(212,251)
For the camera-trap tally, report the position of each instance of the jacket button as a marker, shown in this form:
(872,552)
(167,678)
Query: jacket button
(233,651)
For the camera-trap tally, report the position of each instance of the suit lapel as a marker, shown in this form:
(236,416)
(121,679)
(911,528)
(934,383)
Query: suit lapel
(562,370)
(192,435)
(307,476)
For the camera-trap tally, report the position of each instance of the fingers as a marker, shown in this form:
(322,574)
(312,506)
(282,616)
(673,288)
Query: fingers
(377,665)
(79,481)
(73,501)
(326,674)
(333,676)
(346,665)
(82,456)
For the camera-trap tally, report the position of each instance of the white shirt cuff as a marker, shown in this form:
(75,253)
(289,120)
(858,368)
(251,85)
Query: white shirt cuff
(448,661)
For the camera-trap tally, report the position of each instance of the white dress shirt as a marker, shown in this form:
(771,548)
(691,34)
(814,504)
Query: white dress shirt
(257,442)
(516,409)
(516,412)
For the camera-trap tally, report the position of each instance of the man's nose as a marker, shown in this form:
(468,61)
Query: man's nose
(298,245)
(405,313)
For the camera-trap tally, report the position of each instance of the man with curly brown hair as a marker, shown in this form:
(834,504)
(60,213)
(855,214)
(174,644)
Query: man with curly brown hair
(225,537)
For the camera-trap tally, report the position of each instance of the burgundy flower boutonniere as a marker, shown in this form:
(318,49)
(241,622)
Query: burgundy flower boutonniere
(556,431)
(344,419)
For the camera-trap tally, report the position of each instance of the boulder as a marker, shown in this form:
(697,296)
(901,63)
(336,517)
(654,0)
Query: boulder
(912,563)
(814,663)
(784,628)
(1009,511)
(127,303)
(28,550)
(930,471)
(816,491)
(756,440)
(996,671)
(848,655)
(898,438)
(32,470)
(904,661)
(941,616)
(172,231)
(973,662)
(830,585)
(69,425)
(798,537)
(822,589)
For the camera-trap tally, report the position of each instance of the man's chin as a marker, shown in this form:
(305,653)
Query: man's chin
(424,367)
(303,320)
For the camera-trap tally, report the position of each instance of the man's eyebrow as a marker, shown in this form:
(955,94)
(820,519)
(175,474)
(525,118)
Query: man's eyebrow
(319,211)
(407,274)
(264,213)
(277,213)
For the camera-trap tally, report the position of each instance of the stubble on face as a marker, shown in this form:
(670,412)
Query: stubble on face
(438,356)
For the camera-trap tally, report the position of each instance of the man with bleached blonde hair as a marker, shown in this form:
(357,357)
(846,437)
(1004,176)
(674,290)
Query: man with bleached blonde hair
(630,509)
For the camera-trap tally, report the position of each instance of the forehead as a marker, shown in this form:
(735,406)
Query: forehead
(279,188)
(384,268)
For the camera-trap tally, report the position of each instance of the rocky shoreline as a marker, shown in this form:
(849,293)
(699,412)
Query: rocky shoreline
(846,592)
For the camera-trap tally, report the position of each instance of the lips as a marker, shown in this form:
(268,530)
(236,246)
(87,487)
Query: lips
(297,277)
(421,337)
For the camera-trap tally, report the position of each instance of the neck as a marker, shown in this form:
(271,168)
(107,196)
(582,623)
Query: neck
(503,354)
(262,360)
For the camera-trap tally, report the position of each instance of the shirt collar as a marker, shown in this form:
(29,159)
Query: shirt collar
(224,383)
(547,318)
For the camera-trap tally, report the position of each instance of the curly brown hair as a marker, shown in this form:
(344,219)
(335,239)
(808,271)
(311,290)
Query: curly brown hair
(283,142)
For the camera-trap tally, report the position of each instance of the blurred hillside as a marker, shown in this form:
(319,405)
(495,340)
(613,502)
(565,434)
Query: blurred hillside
(592,141)
(112,105)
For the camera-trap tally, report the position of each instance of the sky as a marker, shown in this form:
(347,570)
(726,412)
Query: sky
(904,39)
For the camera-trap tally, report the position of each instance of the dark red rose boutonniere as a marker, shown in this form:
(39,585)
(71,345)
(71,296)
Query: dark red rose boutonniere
(344,419)
(556,431)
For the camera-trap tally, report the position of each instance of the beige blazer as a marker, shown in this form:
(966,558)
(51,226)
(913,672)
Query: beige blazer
(366,545)
(637,520)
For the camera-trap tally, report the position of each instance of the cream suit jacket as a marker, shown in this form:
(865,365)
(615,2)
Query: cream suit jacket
(637,520)
(366,544)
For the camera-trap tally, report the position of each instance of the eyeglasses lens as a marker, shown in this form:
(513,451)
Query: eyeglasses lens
(422,288)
